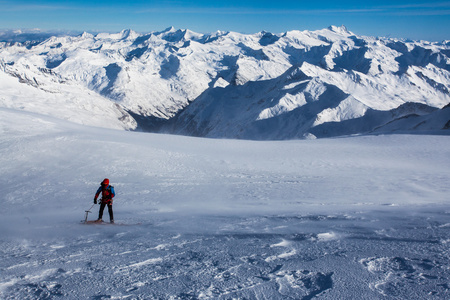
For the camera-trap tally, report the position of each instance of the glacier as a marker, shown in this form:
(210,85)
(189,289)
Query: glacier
(363,217)
(267,206)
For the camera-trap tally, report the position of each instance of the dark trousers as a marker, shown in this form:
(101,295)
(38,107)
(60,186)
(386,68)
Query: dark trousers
(110,210)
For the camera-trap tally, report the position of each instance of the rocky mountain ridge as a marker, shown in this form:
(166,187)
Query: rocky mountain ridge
(298,84)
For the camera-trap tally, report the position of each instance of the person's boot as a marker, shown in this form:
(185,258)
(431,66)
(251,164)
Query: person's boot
(112,221)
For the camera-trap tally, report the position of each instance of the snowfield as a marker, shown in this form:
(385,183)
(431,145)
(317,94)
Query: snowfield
(363,217)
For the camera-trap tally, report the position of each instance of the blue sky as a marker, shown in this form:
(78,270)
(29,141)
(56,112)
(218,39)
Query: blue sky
(421,19)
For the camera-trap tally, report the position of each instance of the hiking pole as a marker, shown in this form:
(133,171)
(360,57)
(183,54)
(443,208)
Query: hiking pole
(87,212)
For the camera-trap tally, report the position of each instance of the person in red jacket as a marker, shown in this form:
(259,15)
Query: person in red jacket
(108,194)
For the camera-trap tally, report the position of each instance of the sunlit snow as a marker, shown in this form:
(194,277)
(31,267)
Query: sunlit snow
(259,86)
(351,218)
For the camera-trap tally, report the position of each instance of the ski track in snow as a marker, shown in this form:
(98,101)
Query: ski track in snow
(360,218)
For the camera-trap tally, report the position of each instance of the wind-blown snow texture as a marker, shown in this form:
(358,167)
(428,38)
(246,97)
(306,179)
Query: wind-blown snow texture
(299,84)
(349,218)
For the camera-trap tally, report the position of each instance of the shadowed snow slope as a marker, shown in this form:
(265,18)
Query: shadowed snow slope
(349,218)
(226,84)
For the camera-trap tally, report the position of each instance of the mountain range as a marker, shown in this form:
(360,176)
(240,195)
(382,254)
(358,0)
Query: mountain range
(263,86)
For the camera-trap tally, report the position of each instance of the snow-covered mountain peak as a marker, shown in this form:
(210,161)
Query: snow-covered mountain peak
(86,35)
(160,77)
(340,30)
(126,34)
(170,29)
(180,35)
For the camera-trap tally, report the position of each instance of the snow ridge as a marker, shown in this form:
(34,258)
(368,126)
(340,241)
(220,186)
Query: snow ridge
(296,84)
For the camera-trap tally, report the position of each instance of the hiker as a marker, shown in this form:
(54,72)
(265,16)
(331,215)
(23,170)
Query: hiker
(107,199)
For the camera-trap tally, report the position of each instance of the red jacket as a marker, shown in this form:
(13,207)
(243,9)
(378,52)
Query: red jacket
(107,193)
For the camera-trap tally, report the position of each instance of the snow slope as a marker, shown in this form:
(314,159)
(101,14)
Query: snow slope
(224,84)
(350,218)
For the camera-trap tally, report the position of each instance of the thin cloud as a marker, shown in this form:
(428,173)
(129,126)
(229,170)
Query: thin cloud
(436,8)
(252,11)
(445,12)
(419,9)
(421,5)
(175,7)
(12,7)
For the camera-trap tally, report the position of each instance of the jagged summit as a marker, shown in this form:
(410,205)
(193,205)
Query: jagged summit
(226,84)
(167,30)
(340,29)
(86,35)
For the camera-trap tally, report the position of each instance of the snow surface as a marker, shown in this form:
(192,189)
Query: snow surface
(351,218)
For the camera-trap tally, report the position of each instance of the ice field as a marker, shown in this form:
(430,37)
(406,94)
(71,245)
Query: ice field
(362,217)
